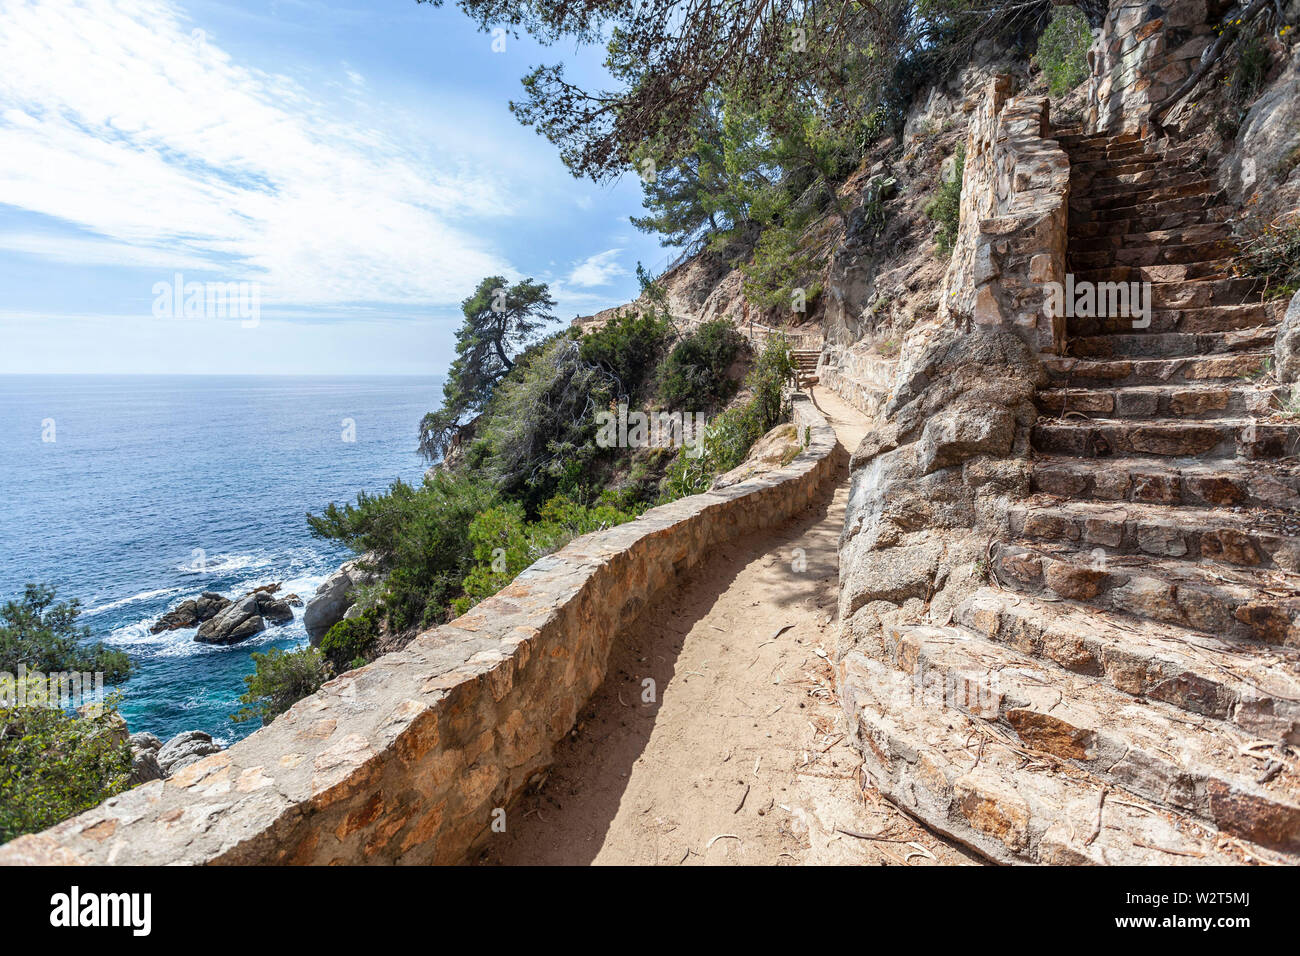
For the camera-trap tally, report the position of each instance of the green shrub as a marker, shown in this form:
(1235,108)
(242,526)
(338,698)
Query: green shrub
(505,542)
(944,206)
(628,348)
(44,636)
(349,640)
(728,438)
(1063,50)
(419,534)
(694,376)
(54,764)
(280,680)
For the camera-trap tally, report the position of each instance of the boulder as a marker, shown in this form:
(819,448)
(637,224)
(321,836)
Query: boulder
(144,767)
(185,748)
(333,599)
(191,613)
(145,741)
(1286,351)
(250,615)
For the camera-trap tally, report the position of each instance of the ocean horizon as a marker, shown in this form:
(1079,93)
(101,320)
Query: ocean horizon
(131,493)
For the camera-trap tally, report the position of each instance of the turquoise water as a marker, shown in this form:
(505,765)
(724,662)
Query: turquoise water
(156,488)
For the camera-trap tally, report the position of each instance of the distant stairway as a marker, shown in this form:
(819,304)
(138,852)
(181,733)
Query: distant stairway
(805,366)
(1127,687)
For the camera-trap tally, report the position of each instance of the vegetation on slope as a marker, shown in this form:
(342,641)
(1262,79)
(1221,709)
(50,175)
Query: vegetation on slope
(54,763)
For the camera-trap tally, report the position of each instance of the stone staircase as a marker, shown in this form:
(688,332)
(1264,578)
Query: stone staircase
(1127,686)
(805,366)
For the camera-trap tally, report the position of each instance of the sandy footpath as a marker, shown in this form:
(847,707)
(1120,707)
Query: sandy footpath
(735,754)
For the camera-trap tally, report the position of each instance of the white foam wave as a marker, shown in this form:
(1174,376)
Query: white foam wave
(142,596)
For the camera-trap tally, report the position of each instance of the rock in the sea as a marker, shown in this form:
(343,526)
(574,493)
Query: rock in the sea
(191,613)
(1286,351)
(185,748)
(333,598)
(292,600)
(250,615)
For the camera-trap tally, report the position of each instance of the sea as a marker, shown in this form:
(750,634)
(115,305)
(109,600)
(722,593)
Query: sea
(133,493)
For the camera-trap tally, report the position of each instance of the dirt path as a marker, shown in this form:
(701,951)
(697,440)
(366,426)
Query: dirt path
(740,758)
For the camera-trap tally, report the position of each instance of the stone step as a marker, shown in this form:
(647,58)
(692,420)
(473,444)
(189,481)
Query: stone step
(1211,438)
(1214,270)
(1091,229)
(1253,318)
(1148,748)
(1211,250)
(1255,539)
(1148,211)
(1128,171)
(1148,344)
(972,781)
(1214,483)
(1254,687)
(1071,142)
(1183,235)
(1127,161)
(1237,603)
(1122,195)
(1164,401)
(1232,366)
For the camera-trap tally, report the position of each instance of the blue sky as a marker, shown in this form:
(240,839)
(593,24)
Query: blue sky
(357,161)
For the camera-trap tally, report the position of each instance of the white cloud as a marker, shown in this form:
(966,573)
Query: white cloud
(600,269)
(120,117)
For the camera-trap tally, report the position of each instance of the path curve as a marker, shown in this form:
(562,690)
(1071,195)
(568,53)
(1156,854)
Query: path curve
(735,753)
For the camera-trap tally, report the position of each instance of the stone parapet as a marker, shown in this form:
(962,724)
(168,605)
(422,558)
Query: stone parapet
(1014,216)
(405,760)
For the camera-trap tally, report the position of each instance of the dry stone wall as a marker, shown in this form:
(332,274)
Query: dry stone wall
(405,760)
(1014,216)
(1143,52)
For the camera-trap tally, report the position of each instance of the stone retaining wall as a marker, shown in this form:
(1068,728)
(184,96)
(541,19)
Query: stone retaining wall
(1014,216)
(405,760)
(1141,55)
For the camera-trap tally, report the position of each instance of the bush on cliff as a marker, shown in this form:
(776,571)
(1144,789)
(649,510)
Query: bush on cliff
(694,376)
(54,764)
(944,206)
(418,535)
(728,438)
(44,636)
(1063,50)
(505,541)
(281,679)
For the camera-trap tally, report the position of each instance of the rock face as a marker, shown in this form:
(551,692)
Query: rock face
(333,598)
(185,748)
(1263,169)
(191,613)
(250,615)
(1286,351)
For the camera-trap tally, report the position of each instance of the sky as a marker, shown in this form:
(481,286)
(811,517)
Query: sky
(338,176)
